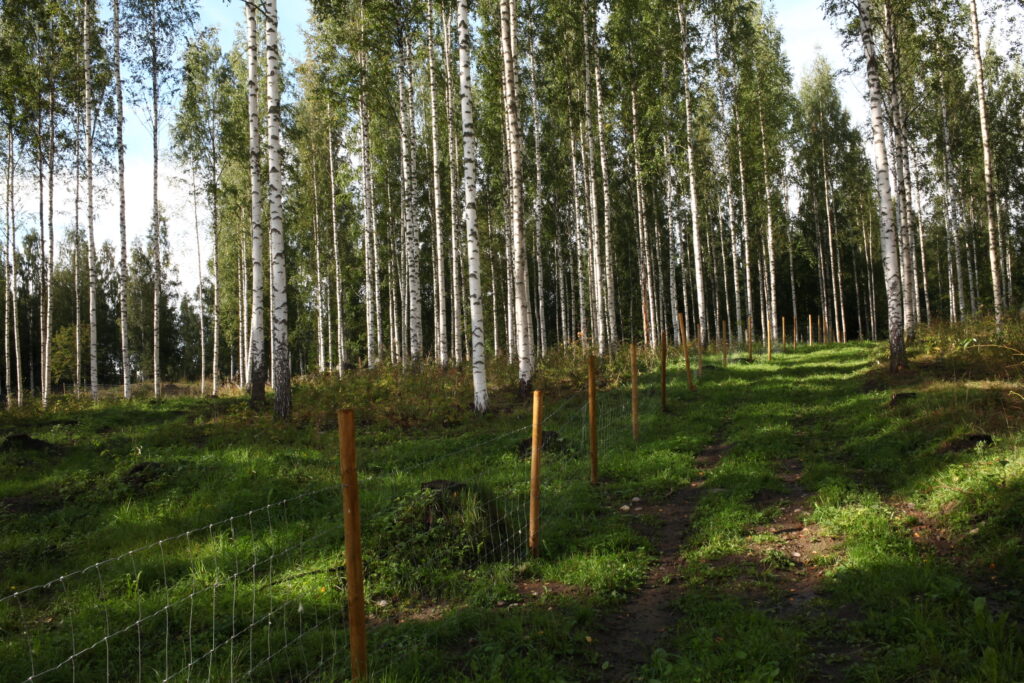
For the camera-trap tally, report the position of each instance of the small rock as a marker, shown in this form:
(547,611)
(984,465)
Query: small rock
(636,499)
(973,531)
(637,509)
(501,603)
(382,603)
(624,508)
(795,554)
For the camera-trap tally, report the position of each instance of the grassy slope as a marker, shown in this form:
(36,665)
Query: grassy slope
(910,534)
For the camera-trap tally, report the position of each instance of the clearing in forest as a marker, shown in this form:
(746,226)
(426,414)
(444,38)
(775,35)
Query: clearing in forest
(787,521)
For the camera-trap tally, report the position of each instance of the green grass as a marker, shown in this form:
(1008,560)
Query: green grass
(447,601)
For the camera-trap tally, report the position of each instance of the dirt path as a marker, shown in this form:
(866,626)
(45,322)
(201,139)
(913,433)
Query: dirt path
(629,635)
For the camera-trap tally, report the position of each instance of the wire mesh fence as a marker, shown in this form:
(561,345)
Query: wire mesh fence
(261,594)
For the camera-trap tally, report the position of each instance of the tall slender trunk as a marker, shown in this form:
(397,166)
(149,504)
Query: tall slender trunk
(318,283)
(156,230)
(923,280)
(441,304)
(410,227)
(524,341)
(609,260)
(833,264)
(257,358)
(593,226)
(342,357)
(698,267)
(48,259)
(897,351)
(646,295)
(986,154)
(126,377)
(199,289)
(956,294)
(278,278)
(476,305)
(734,255)
(11,308)
(538,189)
(769,230)
(371,272)
(675,239)
(76,260)
(93,369)
(744,223)
(902,218)
(458,338)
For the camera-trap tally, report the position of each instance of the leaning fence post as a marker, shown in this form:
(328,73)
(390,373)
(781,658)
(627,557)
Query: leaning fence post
(592,410)
(538,437)
(353,545)
(635,392)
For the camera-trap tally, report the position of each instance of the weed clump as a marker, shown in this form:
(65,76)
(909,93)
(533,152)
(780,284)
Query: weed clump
(434,536)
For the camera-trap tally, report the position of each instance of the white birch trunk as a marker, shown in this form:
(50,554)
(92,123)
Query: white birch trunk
(318,283)
(698,267)
(199,289)
(278,278)
(93,369)
(609,261)
(773,315)
(524,341)
(342,357)
(457,339)
(887,231)
(441,331)
(126,378)
(410,221)
(538,202)
(986,152)
(476,305)
(257,358)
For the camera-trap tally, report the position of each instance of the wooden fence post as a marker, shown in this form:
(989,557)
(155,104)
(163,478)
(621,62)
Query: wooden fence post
(538,437)
(768,338)
(592,401)
(782,339)
(635,392)
(664,352)
(810,330)
(353,545)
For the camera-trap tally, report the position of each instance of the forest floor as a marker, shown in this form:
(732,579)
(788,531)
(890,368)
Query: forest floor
(808,518)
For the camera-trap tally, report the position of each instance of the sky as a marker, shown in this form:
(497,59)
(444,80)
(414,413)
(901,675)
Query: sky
(804,29)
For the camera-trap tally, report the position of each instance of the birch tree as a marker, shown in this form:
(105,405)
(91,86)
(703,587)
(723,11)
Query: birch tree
(986,151)
(890,253)
(278,278)
(476,305)
(524,339)
(257,359)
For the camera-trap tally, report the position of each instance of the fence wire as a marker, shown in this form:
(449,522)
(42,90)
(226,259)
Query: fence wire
(261,594)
